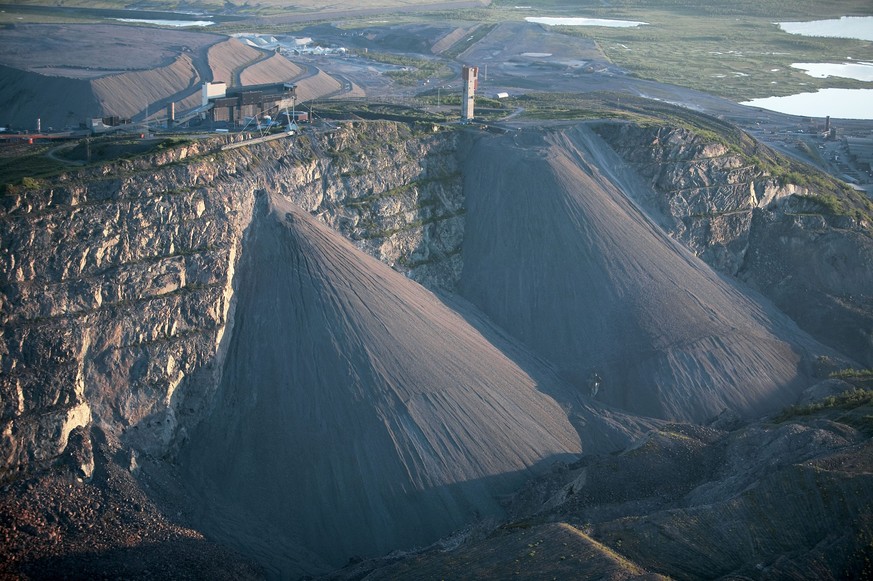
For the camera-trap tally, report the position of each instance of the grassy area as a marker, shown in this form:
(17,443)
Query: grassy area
(733,49)
(415,70)
(849,374)
(739,57)
(852,407)
(766,8)
(23,165)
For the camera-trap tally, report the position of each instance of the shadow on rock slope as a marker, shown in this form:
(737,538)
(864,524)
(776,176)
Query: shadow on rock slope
(357,413)
(563,260)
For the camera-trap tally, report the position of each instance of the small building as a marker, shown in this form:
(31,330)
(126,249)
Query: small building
(501,96)
(294,117)
(106,124)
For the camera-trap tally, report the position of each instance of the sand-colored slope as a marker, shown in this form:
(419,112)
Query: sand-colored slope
(228,58)
(561,258)
(274,69)
(448,40)
(94,50)
(316,86)
(129,94)
(129,66)
(357,412)
(26,96)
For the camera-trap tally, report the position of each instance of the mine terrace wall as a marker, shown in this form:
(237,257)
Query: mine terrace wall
(118,280)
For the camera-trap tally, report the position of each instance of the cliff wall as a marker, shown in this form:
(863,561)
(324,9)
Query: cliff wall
(807,246)
(117,281)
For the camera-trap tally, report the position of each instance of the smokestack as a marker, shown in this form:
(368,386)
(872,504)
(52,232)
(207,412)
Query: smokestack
(471,83)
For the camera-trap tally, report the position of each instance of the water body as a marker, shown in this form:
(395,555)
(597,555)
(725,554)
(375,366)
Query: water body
(174,23)
(838,103)
(858,71)
(859,27)
(550,21)
(139,16)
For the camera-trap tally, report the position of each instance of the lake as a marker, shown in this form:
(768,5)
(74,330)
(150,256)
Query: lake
(175,23)
(859,27)
(836,103)
(858,71)
(550,21)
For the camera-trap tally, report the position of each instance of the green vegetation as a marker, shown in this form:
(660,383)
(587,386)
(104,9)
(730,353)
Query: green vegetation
(22,166)
(736,58)
(763,8)
(852,374)
(415,70)
(849,204)
(852,408)
(732,49)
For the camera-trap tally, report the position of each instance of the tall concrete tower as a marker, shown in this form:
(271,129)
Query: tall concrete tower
(471,83)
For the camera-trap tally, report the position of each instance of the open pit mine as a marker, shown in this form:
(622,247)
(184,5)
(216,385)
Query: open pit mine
(540,352)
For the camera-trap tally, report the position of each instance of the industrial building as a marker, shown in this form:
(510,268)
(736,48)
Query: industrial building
(470,77)
(860,151)
(235,105)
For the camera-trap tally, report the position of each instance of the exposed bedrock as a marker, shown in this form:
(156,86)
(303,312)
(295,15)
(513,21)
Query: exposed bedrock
(117,280)
(815,264)
(226,310)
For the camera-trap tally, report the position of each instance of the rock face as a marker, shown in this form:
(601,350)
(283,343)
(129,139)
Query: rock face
(815,265)
(118,281)
(395,191)
(214,307)
(116,292)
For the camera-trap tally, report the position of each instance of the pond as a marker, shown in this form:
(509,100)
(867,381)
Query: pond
(550,21)
(858,71)
(175,23)
(859,27)
(836,103)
